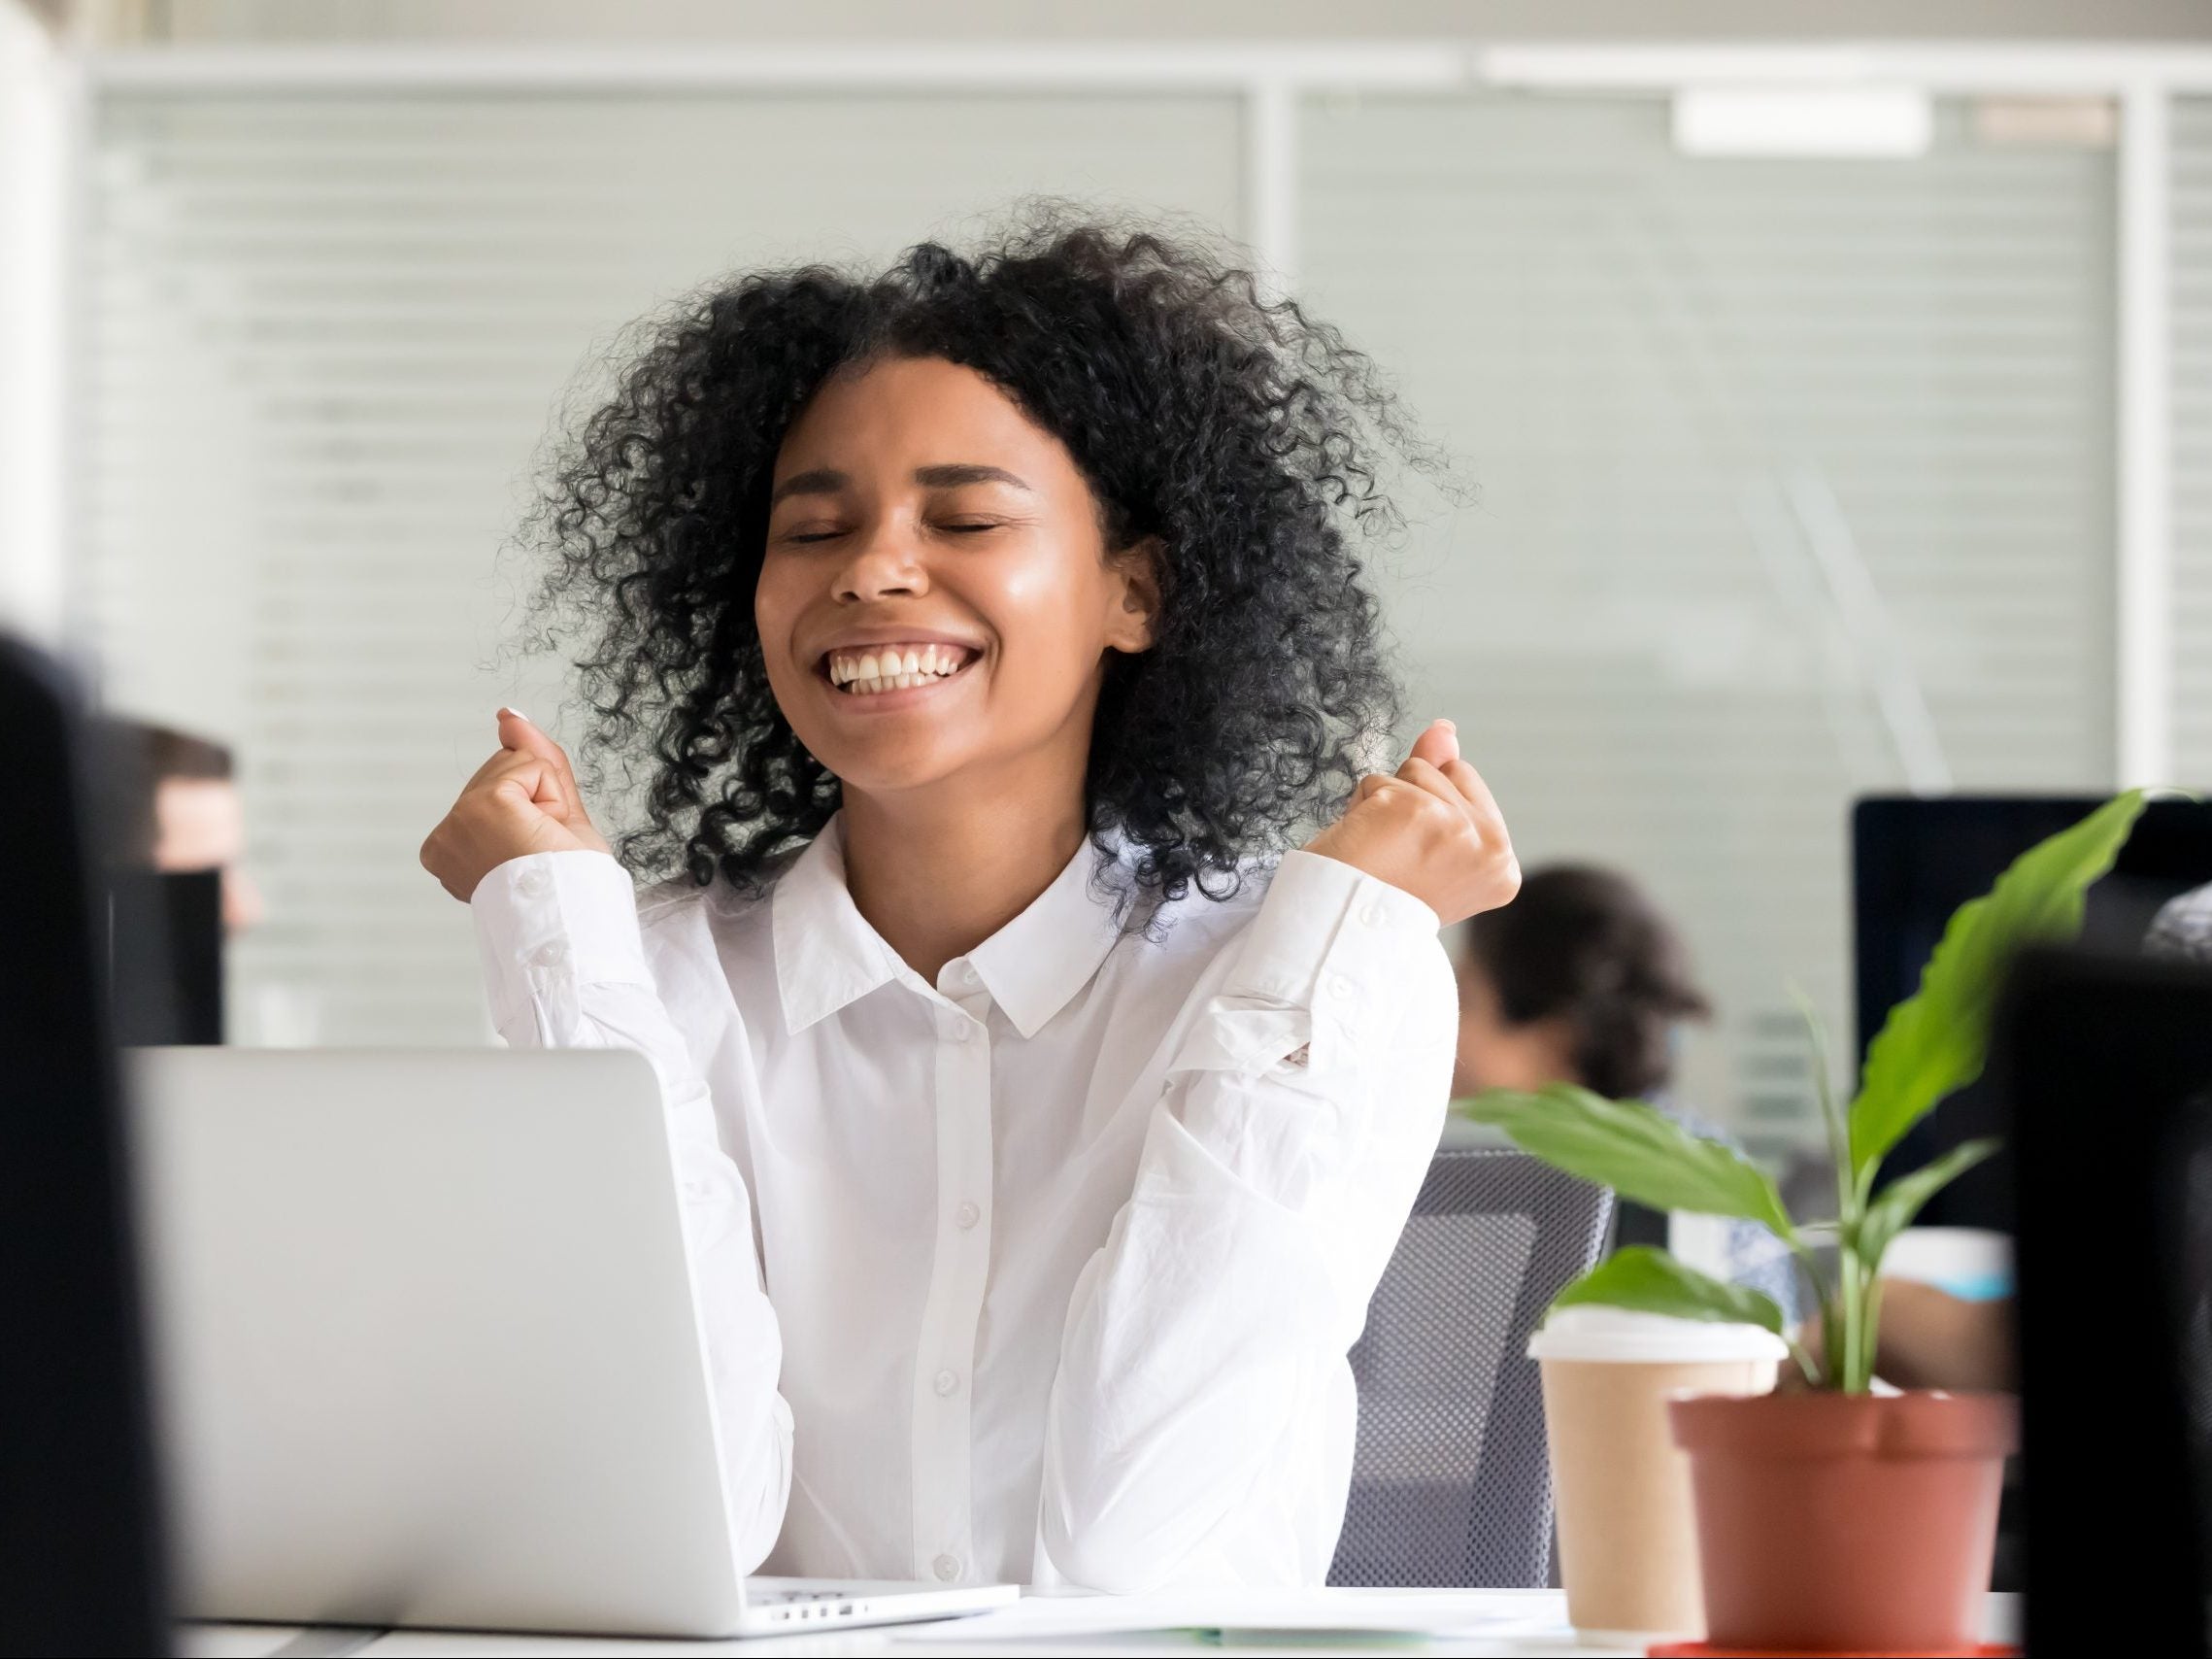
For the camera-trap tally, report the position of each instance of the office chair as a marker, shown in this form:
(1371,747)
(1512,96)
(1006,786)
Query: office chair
(1450,1481)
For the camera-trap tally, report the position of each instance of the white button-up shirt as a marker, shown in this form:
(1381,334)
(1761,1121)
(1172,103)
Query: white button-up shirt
(1045,1273)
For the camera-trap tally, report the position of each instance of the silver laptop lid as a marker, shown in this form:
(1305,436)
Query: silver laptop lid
(424,1346)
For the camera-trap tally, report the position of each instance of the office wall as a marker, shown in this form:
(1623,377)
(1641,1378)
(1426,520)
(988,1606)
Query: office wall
(34,117)
(1796,483)
(1165,20)
(2191,390)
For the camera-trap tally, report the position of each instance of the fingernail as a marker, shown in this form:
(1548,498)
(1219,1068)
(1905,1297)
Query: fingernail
(1449,725)
(517,714)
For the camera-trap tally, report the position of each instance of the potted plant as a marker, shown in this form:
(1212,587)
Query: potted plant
(1835,1518)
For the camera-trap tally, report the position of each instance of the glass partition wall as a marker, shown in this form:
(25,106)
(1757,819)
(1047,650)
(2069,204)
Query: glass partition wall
(1776,480)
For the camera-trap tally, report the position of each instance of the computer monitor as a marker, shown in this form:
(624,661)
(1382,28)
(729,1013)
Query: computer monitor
(2103,1069)
(79,1557)
(1915,860)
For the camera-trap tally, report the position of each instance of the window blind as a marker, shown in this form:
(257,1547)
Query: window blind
(1793,481)
(2192,382)
(325,337)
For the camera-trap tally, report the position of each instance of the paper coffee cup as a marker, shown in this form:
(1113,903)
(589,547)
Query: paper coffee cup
(1628,1527)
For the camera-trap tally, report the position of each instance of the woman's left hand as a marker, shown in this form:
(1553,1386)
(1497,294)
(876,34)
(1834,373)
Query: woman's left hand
(1433,829)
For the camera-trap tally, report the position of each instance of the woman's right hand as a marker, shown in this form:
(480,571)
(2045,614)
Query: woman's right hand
(522,801)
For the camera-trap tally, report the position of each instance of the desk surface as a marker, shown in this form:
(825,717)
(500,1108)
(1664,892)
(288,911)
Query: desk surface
(1449,1621)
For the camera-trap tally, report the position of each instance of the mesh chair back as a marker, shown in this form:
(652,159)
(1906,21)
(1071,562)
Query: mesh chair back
(1449,1482)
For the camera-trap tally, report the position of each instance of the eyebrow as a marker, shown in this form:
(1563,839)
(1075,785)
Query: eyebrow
(947,477)
(829,481)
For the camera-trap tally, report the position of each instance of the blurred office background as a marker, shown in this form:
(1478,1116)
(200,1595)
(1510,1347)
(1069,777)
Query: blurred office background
(1837,409)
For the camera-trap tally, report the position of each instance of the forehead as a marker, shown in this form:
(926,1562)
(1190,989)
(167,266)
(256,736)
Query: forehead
(901,413)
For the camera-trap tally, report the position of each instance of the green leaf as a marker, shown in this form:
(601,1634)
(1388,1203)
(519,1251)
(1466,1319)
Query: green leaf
(1934,1041)
(1651,1281)
(1832,1110)
(1639,1152)
(1893,1208)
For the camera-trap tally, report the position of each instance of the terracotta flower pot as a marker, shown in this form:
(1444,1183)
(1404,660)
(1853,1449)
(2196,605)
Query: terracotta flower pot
(1846,1521)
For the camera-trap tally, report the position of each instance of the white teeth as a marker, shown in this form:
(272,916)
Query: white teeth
(889,670)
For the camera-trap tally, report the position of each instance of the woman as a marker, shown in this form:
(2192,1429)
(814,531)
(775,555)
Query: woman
(981,628)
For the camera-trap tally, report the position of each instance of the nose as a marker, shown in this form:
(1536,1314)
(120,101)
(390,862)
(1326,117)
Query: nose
(884,562)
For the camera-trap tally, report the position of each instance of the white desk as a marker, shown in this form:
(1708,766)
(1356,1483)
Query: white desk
(1461,1621)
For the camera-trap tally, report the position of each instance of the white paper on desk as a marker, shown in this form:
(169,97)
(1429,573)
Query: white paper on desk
(1408,1613)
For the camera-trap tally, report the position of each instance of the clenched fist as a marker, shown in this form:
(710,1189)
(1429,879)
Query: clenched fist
(522,801)
(1432,829)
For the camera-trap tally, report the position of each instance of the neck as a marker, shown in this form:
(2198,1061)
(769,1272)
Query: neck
(937,871)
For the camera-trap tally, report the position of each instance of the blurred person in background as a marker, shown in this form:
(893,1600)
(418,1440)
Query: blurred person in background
(193,818)
(175,890)
(1583,980)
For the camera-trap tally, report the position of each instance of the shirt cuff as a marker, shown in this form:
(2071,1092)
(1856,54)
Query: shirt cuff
(1336,943)
(549,923)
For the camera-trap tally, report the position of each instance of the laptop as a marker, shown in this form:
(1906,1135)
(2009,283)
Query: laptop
(425,1343)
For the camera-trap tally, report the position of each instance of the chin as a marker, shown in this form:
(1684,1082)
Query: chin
(889,767)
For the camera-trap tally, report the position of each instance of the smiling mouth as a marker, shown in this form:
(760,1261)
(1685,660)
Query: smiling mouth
(863,671)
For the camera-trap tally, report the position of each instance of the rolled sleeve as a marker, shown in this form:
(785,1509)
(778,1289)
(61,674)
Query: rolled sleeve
(549,923)
(1321,974)
(1277,1075)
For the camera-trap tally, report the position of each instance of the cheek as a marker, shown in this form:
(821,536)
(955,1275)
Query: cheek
(779,598)
(1048,610)
(774,601)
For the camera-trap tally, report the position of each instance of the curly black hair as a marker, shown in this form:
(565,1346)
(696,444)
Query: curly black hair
(1240,433)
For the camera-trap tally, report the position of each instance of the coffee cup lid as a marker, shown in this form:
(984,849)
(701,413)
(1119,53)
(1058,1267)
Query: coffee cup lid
(1626,1337)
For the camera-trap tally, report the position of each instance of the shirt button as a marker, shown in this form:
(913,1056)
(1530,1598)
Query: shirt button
(1372,915)
(549,954)
(966,1216)
(1339,987)
(963,1033)
(532,883)
(946,1382)
(948,1566)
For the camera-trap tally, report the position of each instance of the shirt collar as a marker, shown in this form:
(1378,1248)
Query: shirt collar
(1034,966)
(827,956)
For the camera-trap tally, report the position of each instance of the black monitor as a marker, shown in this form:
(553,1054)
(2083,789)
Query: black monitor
(2102,1067)
(80,1559)
(1915,860)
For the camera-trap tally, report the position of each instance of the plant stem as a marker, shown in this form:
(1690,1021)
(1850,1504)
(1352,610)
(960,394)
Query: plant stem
(1851,1293)
(1850,1205)
(1871,1323)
